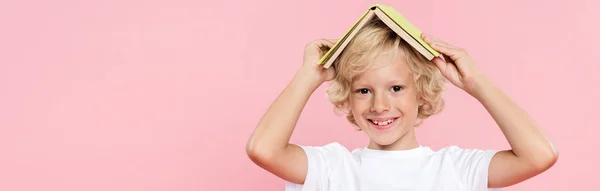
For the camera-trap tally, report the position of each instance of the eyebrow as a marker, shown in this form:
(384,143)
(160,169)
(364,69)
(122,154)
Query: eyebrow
(396,82)
(391,82)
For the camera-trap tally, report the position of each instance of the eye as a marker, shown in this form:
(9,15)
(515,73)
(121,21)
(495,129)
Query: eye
(363,91)
(397,88)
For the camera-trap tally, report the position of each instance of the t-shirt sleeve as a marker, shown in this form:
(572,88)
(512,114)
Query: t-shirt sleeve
(472,166)
(321,161)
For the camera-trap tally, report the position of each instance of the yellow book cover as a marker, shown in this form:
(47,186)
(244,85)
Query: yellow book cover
(395,16)
(341,40)
(406,25)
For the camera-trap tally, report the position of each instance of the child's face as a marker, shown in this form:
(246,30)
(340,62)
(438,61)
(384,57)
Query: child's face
(384,100)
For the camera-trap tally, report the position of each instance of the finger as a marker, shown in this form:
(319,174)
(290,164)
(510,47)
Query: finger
(441,42)
(450,54)
(330,43)
(432,40)
(325,42)
(447,51)
(447,59)
(330,73)
(333,40)
(441,64)
(325,46)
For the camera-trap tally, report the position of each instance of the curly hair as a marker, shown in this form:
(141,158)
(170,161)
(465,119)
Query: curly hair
(371,41)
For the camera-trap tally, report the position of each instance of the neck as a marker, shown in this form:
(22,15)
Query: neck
(405,142)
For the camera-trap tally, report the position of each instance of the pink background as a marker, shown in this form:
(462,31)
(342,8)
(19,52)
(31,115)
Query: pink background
(162,95)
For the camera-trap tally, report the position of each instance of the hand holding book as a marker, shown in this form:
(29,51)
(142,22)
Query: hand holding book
(311,69)
(455,64)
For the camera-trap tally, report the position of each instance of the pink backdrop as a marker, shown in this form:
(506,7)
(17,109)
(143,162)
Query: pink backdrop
(162,95)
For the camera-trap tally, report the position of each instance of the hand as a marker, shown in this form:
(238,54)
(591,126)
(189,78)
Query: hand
(456,65)
(313,52)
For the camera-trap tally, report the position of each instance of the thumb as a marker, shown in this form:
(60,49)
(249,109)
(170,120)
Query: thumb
(441,64)
(330,73)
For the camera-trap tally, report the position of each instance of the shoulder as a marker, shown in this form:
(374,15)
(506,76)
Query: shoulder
(330,147)
(329,153)
(322,162)
(471,165)
(457,153)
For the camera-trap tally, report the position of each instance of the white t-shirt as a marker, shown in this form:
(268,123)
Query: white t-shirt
(334,168)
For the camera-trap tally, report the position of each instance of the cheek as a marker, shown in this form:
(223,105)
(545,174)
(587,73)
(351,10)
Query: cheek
(408,105)
(357,110)
(358,104)
(358,107)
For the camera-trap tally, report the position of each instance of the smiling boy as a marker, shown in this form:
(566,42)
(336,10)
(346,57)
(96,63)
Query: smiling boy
(388,89)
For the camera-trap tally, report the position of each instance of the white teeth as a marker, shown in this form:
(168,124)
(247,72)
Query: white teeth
(382,123)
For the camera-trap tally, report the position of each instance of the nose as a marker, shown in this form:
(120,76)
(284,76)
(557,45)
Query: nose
(380,104)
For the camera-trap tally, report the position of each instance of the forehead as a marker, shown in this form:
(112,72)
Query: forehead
(384,68)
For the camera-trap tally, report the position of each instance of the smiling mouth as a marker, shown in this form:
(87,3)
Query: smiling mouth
(382,124)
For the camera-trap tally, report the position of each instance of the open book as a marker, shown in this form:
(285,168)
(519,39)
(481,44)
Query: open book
(392,19)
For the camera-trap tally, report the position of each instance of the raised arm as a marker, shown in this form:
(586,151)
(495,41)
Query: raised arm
(269,146)
(531,151)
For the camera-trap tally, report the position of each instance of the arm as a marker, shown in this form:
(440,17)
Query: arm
(269,146)
(531,151)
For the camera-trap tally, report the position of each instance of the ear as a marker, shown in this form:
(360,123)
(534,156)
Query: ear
(347,105)
(421,101)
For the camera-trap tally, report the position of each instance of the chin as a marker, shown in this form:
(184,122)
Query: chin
(385,134)
(386,139)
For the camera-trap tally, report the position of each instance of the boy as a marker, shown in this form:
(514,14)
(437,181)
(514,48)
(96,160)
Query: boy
(387,88)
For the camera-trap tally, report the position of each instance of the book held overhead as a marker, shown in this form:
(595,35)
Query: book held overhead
(394,20)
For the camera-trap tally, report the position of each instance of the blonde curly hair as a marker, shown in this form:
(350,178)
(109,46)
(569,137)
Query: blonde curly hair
(371,41)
